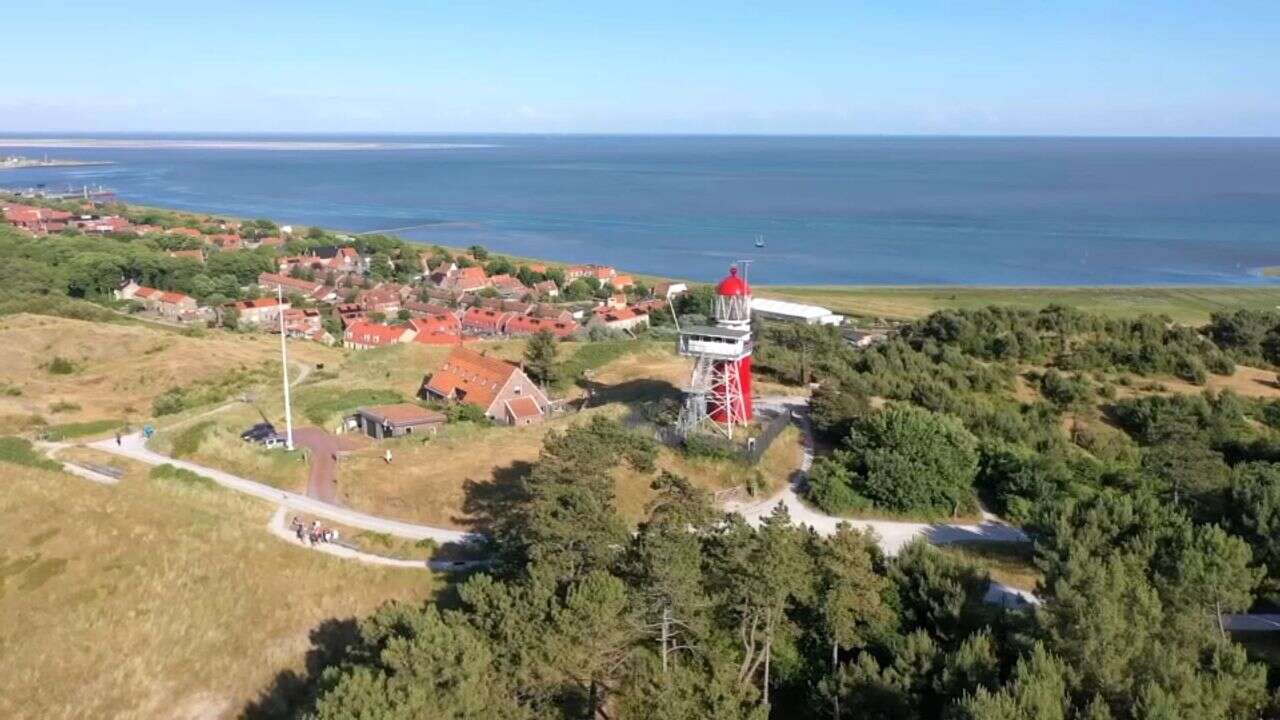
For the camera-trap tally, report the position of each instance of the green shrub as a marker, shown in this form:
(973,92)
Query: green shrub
(169,402)
(60,366)
(187,442)
(904,459)
(703,445)
(8,390)
(63,406)
(68,431)
(182,475)
(465,412)
(19,451)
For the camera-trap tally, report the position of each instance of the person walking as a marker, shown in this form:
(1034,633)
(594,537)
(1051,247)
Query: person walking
(117,438)
(387,456)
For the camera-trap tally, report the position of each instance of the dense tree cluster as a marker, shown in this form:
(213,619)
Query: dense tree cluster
(698,615)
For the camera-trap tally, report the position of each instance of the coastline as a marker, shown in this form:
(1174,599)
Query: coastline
(52,164)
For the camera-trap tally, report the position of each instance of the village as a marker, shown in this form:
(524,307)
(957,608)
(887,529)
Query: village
(454,332)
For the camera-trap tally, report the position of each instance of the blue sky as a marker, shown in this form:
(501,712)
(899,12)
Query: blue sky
(1014,67)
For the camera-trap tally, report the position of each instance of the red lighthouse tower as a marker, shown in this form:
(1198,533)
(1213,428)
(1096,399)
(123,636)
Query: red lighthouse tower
(720,388)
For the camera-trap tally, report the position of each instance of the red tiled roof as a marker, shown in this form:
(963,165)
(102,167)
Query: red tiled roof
(261,302)
(286,281)
(173,297)
(484,318)
(523,407)
(470,278)
(364,333)
(146,293)
(527,325)
(472,377)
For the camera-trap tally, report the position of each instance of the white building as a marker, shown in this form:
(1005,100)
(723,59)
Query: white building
(794,312)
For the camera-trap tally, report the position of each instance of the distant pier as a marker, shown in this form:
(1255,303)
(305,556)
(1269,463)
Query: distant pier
(18,162)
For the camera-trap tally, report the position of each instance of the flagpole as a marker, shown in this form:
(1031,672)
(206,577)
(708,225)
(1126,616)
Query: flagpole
(284,366)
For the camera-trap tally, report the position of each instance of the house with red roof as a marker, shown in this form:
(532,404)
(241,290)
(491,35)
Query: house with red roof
(385,300)
(602,273)
(547,288)
(35,219)
(621,282)
(225,242)
(621,319)
(314,290)
(441,329)
(508,286)
(501,390)
(468,279)
(173,305)
(484,321)
(519,325)
(102,225)
(259,311)
(367,335)
(303,322)
(417,308)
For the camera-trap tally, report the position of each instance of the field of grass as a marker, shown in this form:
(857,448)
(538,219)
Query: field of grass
(1183,304)
(117,369)
(156,598)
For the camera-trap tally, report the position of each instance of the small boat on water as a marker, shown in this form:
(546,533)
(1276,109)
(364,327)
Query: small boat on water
(759,241)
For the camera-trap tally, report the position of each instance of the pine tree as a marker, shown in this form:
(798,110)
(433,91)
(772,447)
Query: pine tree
(540,357)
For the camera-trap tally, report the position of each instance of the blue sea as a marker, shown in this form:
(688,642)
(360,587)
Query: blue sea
(894,210)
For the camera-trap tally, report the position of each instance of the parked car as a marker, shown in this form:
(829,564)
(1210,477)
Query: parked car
(258,432)
(273,441)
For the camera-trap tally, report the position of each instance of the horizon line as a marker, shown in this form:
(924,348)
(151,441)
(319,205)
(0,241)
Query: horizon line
(89,134)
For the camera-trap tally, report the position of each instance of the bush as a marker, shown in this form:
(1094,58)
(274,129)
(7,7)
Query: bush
(465,412)
(906,459)
(702,445)
(67,431)
(19,451)
(169,402)
(60,366)
(182,475)
(188,441)
(63,406)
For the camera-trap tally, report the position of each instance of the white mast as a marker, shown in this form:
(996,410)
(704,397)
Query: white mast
(284,366)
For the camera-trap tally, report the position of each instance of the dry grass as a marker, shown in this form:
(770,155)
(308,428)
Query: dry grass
(154,599)
(119,369)
(1009,563)
(223,449)
(1246,381)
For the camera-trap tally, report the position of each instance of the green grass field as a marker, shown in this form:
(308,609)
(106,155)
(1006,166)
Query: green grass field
(1183,304)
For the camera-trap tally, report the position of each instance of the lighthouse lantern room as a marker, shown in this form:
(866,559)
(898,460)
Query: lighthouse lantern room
(719,389)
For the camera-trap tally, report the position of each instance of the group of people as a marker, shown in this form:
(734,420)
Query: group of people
(313,533)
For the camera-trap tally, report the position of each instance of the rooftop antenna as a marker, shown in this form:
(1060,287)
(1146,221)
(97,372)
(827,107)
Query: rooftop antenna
(284,367)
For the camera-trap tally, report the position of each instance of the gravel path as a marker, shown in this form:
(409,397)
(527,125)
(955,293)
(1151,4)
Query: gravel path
(134,446)
(893,534)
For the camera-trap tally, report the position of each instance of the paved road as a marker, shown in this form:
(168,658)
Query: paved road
(893,534)
(322,478)
(278,527)
(133,446)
